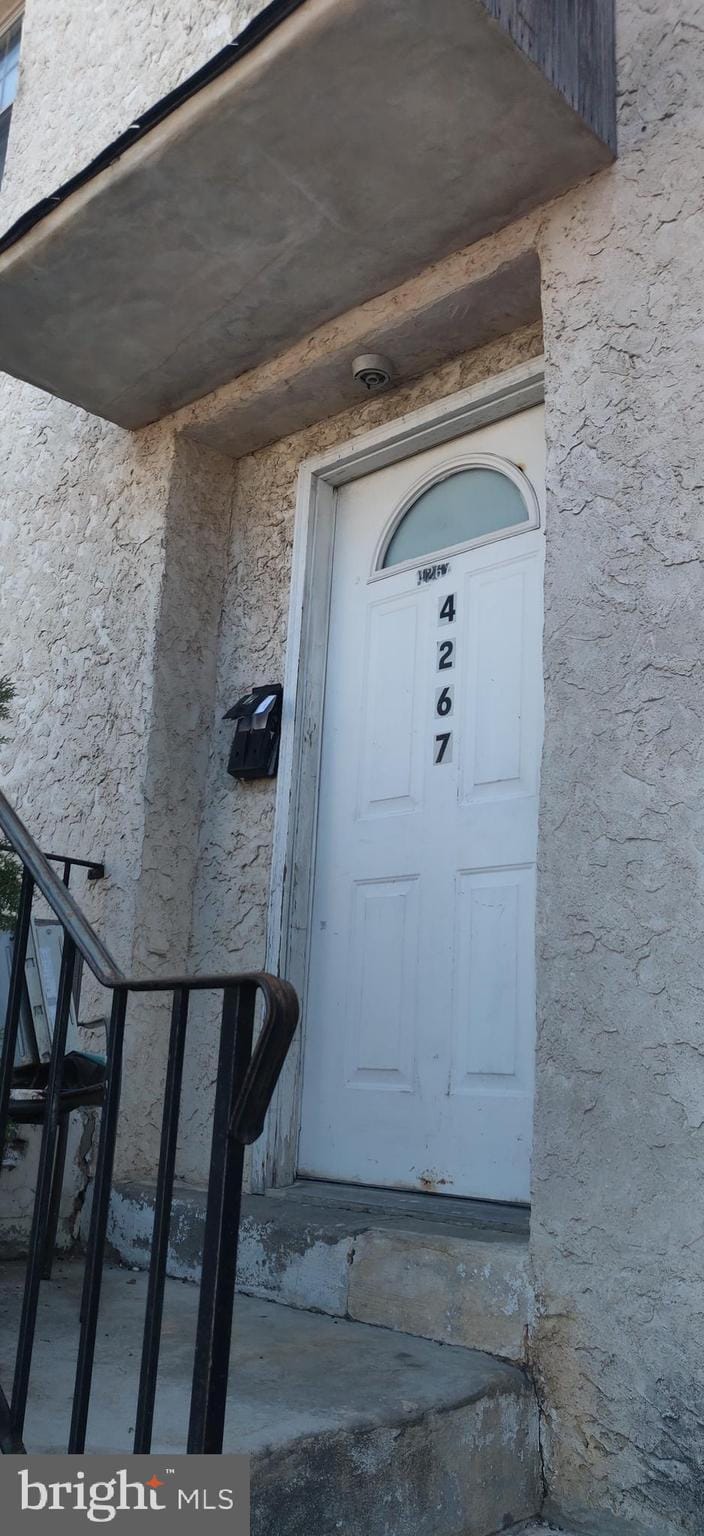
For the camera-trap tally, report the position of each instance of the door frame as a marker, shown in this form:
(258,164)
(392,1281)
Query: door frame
(274,1157)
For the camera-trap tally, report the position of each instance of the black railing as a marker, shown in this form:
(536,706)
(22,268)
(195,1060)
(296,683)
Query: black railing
(94,871)
(245,1083)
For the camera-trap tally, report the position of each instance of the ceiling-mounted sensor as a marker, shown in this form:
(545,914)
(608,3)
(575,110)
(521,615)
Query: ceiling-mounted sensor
(372,371)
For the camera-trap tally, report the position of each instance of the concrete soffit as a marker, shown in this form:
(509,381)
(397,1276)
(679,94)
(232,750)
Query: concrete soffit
(473,298)
(348,147)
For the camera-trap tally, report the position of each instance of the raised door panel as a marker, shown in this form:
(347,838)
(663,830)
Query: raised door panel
(493,991)
(380,1035)
(502,682)
(390,767)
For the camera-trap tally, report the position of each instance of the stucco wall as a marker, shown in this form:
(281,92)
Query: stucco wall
(196,529)
(89,67)
(620,1109)
(81,552)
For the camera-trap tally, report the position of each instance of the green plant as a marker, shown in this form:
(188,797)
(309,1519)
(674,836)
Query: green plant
(10,876)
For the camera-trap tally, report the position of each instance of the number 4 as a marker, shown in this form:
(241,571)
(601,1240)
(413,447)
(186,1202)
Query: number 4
(447,609)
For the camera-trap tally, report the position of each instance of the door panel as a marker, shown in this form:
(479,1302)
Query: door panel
(382,967)
(492,979)
(502,697)
(390,762)
(420,1014)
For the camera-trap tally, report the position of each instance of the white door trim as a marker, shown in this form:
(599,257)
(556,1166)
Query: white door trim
(293,853)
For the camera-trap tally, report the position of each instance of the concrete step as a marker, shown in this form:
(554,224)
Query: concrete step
(436,1268)
(350,1428)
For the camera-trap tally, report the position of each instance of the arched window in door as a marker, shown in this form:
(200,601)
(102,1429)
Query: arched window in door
(466,504)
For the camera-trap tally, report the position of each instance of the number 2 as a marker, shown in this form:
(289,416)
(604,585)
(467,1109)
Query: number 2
(446,655)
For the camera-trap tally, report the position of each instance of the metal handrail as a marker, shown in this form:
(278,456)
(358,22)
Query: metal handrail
(245,1083)
(96,870)
(61,900)
(91,948)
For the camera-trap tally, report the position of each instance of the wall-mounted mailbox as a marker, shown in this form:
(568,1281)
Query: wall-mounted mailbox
(254,753)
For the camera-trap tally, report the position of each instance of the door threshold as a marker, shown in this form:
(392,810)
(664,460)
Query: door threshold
(451,1210)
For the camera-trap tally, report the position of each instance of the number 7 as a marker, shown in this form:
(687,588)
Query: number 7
(443,747)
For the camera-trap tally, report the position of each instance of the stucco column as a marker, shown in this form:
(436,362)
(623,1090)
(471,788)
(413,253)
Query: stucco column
(617,1226)
(196,527)
(82,548)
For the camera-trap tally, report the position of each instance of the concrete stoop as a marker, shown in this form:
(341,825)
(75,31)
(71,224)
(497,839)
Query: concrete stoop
(351,1428)
(427,1266)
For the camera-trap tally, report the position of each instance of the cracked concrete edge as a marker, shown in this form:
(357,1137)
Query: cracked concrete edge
(84,1160)
(440,1461)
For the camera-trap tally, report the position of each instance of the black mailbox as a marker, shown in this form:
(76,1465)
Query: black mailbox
(254,753)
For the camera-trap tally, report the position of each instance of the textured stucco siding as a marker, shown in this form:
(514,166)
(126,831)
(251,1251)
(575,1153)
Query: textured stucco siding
(617,1231)
(196,529)
(81,553)
(100,557)
(89,67)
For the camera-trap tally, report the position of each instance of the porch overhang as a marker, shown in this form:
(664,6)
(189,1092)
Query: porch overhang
(346,145)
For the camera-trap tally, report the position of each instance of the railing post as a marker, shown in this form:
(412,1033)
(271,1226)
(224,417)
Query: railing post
(14,1002)
(37,1239)
(162,1219)
(95,1256)
(57,1184)
(217,1291)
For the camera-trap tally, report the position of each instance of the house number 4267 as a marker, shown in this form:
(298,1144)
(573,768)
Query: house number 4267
(445,694)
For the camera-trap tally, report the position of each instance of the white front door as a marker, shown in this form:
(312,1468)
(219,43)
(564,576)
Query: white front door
(420,1008)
